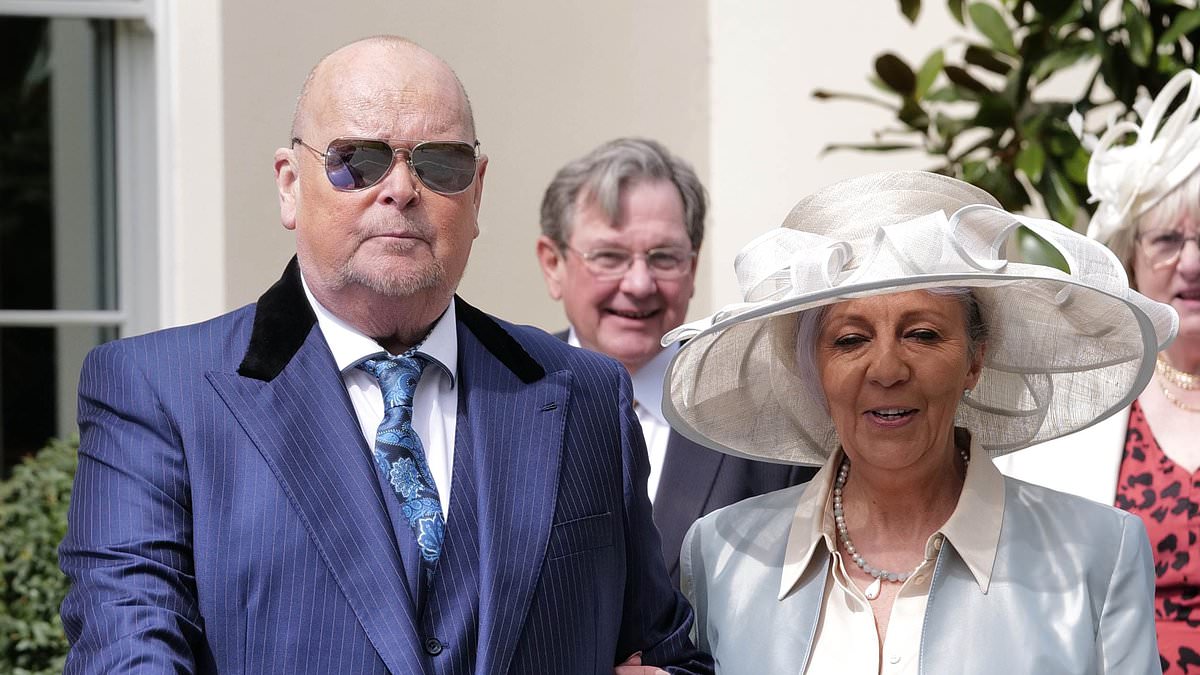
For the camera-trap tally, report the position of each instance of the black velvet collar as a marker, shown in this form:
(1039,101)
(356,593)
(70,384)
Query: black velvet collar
(283,320)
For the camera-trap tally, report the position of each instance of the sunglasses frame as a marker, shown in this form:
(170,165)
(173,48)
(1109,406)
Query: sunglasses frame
(408,153)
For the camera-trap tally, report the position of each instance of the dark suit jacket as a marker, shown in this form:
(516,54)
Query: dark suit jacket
(227,516)
(696,481)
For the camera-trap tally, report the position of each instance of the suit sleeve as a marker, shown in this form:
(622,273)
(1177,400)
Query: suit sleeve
(658,620)
(1126,634)
(127,552)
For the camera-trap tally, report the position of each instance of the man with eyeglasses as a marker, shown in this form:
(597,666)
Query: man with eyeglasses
(361,472)
(621,229)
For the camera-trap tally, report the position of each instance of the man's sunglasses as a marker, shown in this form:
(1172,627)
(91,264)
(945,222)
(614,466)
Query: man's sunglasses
(446,167)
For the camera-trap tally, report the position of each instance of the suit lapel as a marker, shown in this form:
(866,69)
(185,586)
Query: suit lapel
(688,475)
(295,409)
(517,429)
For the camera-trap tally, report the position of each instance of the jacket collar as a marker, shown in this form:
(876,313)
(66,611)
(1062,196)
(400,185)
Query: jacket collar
(283,319)
(973,528)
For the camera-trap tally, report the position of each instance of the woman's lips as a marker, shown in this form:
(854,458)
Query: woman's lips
(891,417)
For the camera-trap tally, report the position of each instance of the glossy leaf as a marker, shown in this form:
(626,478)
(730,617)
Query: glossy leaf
(869,147)
(1064,56)
(1184,23)
(1052,10)
(956,10)
(964,79)
(1031,160)
(1141,38)
(896,74)
(1059,196)
(928,73)
(1038,251)
(910,9)
(912,114)
(995,112)
(986,58)
(991,23)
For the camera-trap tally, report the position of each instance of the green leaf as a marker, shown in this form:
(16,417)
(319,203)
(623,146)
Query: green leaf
(991,23)
(956,10)
(896,74)
(995,112)
(1031,160)
(1141,37)
(911,9)
(912,114)
(965,80)
(1051,10)
(928,73)
(869,147)
(986,58)
(1059,196)
(1064,56)
(1184,23)
(1038,251)
(1075,165)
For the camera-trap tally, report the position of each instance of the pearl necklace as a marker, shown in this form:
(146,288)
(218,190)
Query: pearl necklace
(1180,378)
(839,519)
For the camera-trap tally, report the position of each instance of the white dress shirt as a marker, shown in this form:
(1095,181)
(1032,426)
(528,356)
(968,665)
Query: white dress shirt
(435,403)
(647,403)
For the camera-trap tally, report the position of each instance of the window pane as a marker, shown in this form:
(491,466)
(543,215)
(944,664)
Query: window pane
(56,172)
(39,374)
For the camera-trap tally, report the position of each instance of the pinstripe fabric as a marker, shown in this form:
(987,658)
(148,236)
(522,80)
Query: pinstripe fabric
(229,523)
(696,481)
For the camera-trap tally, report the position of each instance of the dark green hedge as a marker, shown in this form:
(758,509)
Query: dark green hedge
(33,520)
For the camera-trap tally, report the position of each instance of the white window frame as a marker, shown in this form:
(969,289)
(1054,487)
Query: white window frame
(139,64)
(142,208)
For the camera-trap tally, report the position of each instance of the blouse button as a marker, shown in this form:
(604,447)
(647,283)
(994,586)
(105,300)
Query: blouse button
(894,659)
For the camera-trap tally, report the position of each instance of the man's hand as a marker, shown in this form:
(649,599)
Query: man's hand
(633,666)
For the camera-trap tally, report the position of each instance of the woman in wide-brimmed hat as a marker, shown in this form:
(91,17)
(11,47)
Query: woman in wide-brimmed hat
(885,337)
(1146,458)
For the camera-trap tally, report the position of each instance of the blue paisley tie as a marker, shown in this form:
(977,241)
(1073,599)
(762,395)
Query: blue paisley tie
(401,457)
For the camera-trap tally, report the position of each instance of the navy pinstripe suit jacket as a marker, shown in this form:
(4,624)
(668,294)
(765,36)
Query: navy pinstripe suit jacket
(227,517)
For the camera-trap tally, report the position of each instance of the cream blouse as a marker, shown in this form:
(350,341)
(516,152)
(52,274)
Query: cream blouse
(846,639)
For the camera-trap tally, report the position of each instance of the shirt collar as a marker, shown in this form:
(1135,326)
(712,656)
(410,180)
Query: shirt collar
(351,347)
(973,528)
(648,380)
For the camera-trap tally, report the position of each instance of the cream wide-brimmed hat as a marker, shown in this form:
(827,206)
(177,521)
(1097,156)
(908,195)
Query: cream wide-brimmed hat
(1065,350)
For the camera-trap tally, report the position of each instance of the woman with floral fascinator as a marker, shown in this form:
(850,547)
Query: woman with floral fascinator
(1146,458)
(885,337)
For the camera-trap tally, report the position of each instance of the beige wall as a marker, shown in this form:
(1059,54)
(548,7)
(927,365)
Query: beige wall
(549,80)
(726,84)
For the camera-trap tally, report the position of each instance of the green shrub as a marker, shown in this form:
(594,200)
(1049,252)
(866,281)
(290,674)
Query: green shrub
(33,520)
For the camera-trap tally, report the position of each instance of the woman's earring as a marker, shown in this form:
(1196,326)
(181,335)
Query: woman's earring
(966,393)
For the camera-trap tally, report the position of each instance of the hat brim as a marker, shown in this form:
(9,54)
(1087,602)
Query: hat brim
(1061,356)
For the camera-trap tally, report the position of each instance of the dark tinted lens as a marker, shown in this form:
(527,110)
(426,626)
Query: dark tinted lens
(353,164)
(445,167)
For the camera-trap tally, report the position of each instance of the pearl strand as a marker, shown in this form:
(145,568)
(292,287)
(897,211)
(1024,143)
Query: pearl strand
(839,519)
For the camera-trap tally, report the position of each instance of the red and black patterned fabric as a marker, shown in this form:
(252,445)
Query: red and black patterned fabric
(1167,498)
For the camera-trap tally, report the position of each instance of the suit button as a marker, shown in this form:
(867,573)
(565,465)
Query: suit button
(433,646)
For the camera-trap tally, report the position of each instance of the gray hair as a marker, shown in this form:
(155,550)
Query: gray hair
(810,322)
(1184,200)
(599,176)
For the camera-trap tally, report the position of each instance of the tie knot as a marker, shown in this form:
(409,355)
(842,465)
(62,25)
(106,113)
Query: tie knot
(398,377)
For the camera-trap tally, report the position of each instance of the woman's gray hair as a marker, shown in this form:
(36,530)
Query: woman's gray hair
(1183,201)
(600,175)
(809,324)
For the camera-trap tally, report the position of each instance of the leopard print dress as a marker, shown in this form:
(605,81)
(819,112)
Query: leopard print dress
(1167,498)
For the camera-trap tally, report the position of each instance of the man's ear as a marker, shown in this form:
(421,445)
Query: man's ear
(287,181)
(553,265)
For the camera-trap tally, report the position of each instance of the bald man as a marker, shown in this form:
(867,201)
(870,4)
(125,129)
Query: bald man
(361,472)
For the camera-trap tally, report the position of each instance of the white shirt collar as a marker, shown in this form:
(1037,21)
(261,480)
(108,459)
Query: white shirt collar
(648,380)
(350,346)
(973,527)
